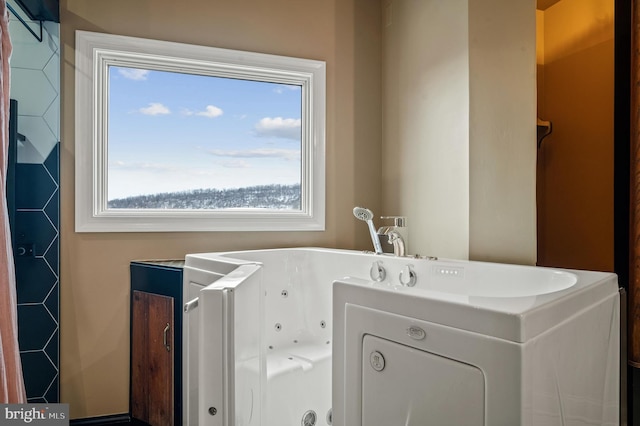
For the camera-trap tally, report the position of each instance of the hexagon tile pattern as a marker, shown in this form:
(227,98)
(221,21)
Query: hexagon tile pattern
(35,84)
(36,254)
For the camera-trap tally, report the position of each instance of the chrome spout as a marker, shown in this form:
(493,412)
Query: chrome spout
(396,234)
(399,248)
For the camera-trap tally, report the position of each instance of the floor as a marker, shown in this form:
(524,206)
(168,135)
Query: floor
(119,419)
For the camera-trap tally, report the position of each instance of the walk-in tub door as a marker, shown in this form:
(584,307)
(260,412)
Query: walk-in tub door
(402,385)
(229,347)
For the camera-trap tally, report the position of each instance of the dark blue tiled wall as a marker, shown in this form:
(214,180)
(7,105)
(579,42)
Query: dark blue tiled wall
(36,254)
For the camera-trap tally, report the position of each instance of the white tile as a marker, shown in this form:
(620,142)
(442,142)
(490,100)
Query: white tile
(38,135)
(53,35)
(52,71)
(27,153)
(28,52)
(52,117)
(35,83)
(32,90)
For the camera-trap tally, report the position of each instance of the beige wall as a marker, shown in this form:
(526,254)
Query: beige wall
(425,162)
(459,126)
(575,166)
(502,135)
(94,266)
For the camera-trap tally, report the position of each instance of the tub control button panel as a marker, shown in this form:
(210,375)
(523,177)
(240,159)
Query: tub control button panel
(449,271)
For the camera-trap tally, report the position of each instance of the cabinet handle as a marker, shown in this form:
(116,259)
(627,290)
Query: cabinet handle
(165,337)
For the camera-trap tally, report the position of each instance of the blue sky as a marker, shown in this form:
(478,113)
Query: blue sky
(173,132)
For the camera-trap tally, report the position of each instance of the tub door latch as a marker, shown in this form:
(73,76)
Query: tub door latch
(190,305)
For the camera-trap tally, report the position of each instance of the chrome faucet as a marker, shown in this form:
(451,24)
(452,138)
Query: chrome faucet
(396,239)
(393,234)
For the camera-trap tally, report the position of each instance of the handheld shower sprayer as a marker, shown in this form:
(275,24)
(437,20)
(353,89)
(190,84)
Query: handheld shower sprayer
(367,216)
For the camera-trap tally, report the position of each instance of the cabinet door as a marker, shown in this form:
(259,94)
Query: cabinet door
(152,359)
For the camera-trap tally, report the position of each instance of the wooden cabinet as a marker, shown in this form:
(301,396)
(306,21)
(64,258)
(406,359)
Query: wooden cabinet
(156,336)
(152,358)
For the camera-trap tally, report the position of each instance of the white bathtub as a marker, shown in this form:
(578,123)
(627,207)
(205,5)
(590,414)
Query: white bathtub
(275,335)
(258,347)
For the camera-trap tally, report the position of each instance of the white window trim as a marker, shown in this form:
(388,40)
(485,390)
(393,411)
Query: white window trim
(95,52)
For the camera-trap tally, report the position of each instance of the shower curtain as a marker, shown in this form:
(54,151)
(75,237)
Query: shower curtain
(11,381)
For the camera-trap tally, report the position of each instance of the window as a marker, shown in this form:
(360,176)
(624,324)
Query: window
(175,137)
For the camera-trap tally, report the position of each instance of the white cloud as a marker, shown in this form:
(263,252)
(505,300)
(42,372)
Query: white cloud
(281,88)
(285,154)
(210,111)
(139,165)
(235,164)
(278,127)
(133,73)
(155,108)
